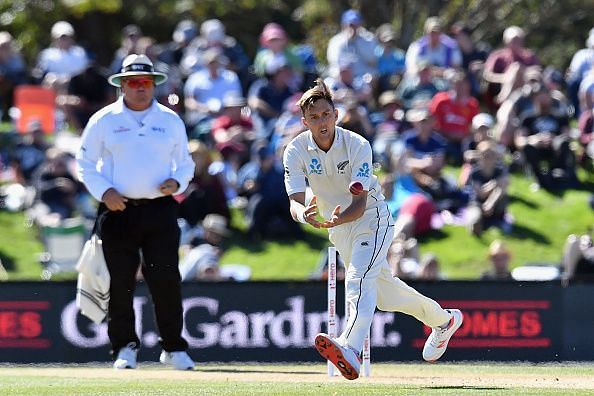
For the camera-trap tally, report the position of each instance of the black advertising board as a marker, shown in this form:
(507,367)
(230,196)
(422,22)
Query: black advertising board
(276,322)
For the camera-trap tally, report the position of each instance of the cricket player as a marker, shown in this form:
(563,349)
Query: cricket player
(337,164)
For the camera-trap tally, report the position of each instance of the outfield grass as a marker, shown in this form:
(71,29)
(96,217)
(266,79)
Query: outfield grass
(542,223)
(304,379)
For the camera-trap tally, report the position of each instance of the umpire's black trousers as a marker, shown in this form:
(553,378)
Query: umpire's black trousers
(149,226)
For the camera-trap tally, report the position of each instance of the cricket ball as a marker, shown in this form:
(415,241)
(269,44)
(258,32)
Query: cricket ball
(356,188)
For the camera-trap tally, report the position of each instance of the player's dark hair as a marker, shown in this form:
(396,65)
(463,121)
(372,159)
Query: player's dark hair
(312,95)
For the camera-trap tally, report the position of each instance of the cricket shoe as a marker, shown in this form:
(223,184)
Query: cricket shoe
(345,359)
(180,360)
(437,343)
(126,358)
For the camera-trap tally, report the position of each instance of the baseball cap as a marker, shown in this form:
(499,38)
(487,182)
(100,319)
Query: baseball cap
(185,31)
(512,32)
(433,24)
(131,30)
(216,223)
(234,101)
(5,38)
(62,28)
(272,31)
(416,115)
(387,97)
(213,30)
(482,120)
(351,17)
(275,63)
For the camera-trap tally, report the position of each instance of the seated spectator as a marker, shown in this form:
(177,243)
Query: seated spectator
(275,43)
(426,159)
(172,53)
(578,258)
(435,47)
(352,115)
(544,136)
(206,89)
(453,111)
(233,156)
(429,269)
(497,66)
(420,87)
(390,59)
(499,257)
(29,154)
(488,180)
(233,123)
(202,260)
(581,62)
(13,72)
(473,53)
(403,257)
(482,130)
(205,193)
(267,96)
(289,122)
(347,81)
(390,124)
(261,181)
(63,60)
(352,42)
(57,189)
(129,39)
(586,128)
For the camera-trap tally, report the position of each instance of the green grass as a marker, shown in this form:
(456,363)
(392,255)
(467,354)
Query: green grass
(303,379)
(542,223)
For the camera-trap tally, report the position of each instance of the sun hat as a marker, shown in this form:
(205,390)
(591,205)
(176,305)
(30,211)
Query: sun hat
(482,120)
(137,65)
(62,28)
(216,223)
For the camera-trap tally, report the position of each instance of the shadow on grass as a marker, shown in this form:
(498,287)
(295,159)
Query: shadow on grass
(524,233)
(7,261)
(521,200)
(466,387)
(240,371)
(433,235)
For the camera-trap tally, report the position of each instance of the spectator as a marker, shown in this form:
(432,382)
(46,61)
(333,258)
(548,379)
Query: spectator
(289,122)
(63,59)
(473,55)
(205,89)
(429,268)
(29,154)
(418,88)
(201,262)
(390,59)
(267,211)
(435,47)
(353,42)
(172,53)
(426,159)
(581,63)
(482,130)
(489,181)
(544,136)
(498,63)
(129,36)
(578,258)
(391,125)
(86,93)
(267,97)
(453,112)
(347,80)
(205,193)
(233,123)
(275,43)
(13,72)
(499,257)
(403,257)
(352,115)
(213,35)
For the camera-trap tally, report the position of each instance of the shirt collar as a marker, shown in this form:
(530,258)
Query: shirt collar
(119,105)
(311,144)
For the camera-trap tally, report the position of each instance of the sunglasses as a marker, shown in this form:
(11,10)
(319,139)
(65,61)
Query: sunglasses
(140,83)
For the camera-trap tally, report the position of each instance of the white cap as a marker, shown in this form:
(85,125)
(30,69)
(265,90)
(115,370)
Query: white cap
(590,39)
(275,63)
(482,119)
(213,30)
(62,28)
(512,32)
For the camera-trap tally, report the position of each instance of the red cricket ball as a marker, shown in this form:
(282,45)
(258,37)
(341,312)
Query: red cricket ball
(356,188)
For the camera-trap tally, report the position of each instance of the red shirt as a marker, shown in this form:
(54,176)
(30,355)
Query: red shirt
(498,61)
(453,117)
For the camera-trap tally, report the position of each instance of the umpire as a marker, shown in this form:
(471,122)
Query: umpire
(133,157)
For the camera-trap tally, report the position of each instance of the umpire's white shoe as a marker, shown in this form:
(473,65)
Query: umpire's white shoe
(180,360)
(437,343)
(344,358)
(126,359)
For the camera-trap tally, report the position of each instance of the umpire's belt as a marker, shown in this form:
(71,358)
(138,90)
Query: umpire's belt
(139,201)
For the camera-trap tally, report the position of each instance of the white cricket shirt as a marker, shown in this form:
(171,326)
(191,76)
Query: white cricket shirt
(330,173)
(131,156)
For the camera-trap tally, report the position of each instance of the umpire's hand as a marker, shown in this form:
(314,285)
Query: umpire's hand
(113,200)
(169,186)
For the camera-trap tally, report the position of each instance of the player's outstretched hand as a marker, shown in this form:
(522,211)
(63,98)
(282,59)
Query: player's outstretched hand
(311,211)
(334,220)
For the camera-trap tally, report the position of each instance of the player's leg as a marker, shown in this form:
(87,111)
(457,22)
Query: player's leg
(396,296)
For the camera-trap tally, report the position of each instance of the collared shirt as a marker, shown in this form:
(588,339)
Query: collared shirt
(65,63)
(118,151)
(330,173)
(202,87)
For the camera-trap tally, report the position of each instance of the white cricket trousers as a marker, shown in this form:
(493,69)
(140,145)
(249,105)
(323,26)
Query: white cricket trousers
(363,246)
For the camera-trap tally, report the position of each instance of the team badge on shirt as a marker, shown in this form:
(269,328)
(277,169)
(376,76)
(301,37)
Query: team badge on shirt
(363,170)
(315,167)
(341,167)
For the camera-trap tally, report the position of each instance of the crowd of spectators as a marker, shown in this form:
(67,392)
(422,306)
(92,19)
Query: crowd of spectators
(445,99)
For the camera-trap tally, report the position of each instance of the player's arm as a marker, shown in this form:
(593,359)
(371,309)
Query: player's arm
(355,210)
(301,212)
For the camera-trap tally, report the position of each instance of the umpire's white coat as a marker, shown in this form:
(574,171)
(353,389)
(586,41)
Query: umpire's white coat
(363,244)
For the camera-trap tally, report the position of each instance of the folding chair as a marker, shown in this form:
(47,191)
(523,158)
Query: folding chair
(34,102)
(63,244)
